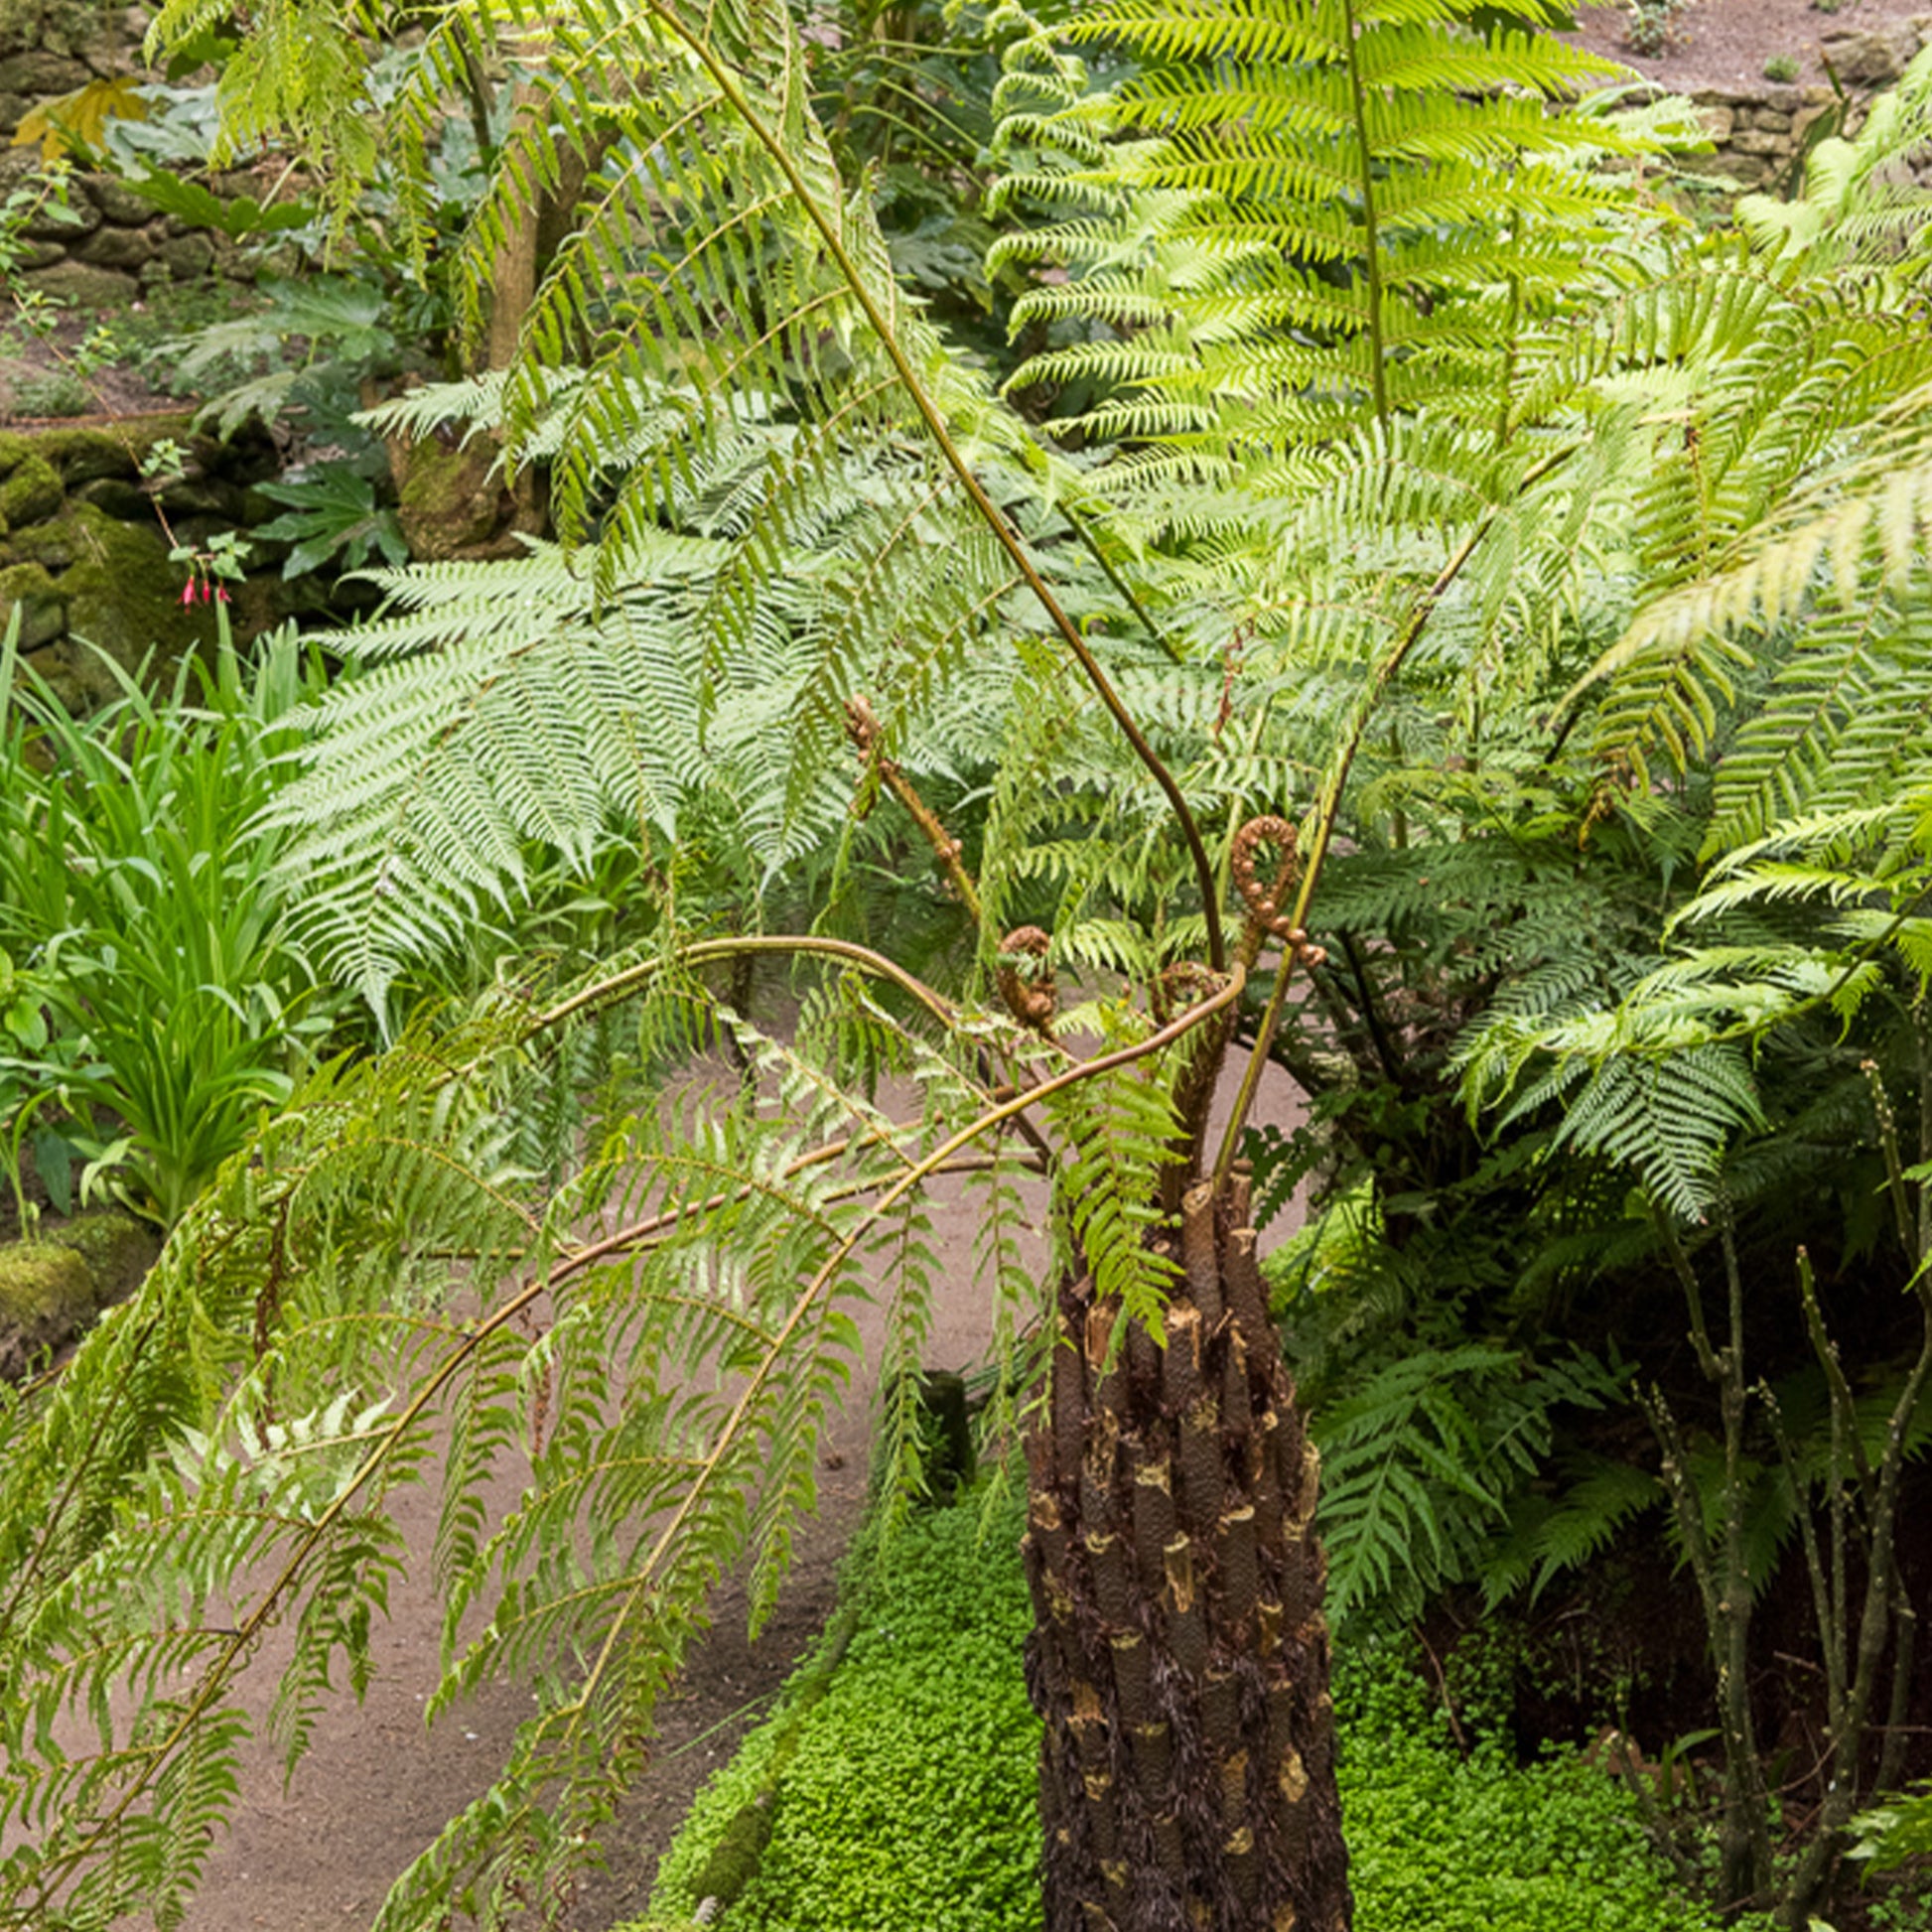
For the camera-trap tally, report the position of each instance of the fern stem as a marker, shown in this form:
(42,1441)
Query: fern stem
(995,519)
(1083,529)
(1328,806)
(704,951)
(1372,266)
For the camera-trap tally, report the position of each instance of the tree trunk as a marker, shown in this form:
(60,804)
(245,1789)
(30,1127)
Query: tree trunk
(1179,1655)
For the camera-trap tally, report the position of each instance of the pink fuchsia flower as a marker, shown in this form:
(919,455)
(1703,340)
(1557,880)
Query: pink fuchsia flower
(188,591)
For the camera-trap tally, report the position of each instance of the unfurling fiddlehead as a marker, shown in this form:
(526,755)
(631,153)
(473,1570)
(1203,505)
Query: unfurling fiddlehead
(1264,904)
(1030,999)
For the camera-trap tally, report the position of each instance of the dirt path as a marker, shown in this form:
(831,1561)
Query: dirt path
(378,1784)
(1725,43)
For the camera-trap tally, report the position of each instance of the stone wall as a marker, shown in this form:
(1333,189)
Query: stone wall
(119,244)
(83,552)
(1761,135)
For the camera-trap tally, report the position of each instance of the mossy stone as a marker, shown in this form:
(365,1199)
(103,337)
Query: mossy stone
(119,203)
(28,588)
(123,499)
(76,673)
(82,452)
(83,285)
(39,72)
(185,256)
(118,1248)
(46,1293)
(52,1287)
(122,592)
(451,503)
(112,248)
(32,495)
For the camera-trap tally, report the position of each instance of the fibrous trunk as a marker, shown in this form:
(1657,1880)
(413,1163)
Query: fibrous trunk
(1179,1655)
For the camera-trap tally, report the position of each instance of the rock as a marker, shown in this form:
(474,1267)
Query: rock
(123,501)
(50,1289)
(128,249)
(123,594)
(50,545)
(109,53)
(28,588)
(63,218)
(32,495)
(187,257)
(86,452)
(1869,57)
(14,108)
(1717,121)
(85,285)
(1755,140)
(119,203)
(46,1296)
(1774,120)
(205,496)
(76,673)
(451,503)
(42,73)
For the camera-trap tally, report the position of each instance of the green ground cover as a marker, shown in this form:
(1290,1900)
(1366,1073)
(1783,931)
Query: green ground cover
(907,1801)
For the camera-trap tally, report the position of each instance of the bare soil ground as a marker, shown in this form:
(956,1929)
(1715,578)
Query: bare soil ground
(37,372)
(1725,43)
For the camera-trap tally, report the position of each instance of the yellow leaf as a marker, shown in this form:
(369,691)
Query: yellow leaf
(82,117)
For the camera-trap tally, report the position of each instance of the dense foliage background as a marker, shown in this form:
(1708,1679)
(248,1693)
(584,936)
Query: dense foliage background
(904,495)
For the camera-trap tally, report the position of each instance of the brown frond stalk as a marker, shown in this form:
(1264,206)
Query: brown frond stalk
(863,728)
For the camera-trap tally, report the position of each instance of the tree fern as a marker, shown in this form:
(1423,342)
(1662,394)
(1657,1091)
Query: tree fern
(1305,215)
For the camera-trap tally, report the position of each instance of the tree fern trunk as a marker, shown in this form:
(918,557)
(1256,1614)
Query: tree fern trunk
(1180,1656)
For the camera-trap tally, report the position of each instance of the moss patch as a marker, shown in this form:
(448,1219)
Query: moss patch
(46,1293)
(31,493)
(122,592)
(52,1287)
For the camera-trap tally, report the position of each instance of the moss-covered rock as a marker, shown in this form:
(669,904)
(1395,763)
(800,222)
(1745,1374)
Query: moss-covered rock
(45,1293)
(122,592)
(120,496)
(85,451)
(118,1248)
(451,502)
(32,493)
(83,285)
(26,588)
(50,1289)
